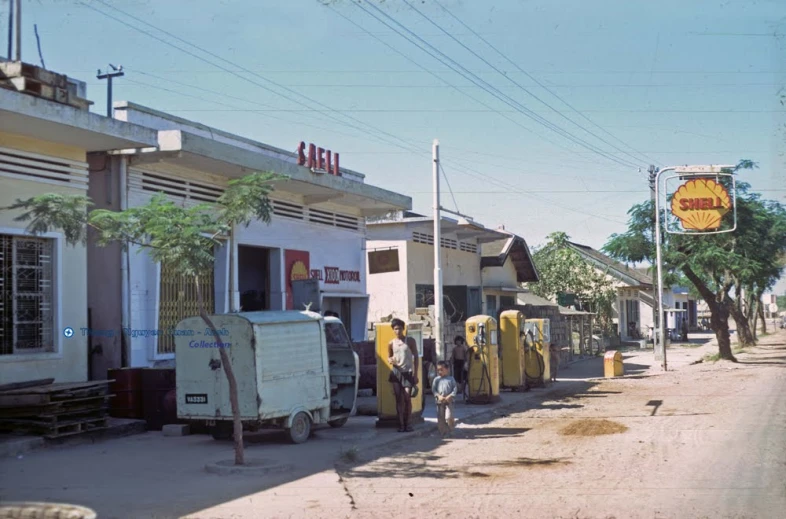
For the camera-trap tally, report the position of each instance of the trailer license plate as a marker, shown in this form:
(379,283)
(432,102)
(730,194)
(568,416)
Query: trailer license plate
(196,399)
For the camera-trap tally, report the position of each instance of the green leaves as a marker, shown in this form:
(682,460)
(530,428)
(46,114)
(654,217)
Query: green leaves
(55,211)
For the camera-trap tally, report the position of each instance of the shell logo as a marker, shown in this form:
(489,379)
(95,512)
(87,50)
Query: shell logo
(298,272)
(700,204)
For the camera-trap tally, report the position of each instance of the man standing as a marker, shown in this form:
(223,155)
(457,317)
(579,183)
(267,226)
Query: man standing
(403,357)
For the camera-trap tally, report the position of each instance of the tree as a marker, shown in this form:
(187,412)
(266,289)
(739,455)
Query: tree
(746,260)
(562,270)
(177,235)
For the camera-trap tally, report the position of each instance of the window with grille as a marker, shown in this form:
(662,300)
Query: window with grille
(26,295)
(178,300)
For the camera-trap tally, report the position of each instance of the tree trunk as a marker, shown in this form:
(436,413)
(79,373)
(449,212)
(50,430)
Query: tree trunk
(743,328)
(719,314)
(227,365)
(763,319)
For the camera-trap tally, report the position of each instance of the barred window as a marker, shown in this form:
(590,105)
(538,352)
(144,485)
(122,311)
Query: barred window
(26,295)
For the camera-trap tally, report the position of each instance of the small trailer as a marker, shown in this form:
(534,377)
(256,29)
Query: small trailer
(293,370)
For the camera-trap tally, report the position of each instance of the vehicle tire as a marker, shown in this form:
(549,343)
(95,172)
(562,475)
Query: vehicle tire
(341,422)
(301,428)
(223,431)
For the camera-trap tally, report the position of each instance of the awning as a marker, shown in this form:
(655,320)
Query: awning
(30,116)
(183,149)
(515,290)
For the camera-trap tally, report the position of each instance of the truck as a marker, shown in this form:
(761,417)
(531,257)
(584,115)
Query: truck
(294,370)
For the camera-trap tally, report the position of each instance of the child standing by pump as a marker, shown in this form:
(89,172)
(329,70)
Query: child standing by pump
(444,390)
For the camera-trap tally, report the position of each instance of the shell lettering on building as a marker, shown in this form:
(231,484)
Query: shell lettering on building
(701,204)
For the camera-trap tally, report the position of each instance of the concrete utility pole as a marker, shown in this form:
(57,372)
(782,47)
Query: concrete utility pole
(18,31)
(438,342)
(116,72)
(11,29)
(653,171)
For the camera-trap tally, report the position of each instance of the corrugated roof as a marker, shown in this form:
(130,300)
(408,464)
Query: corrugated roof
(614,265)
(528,298)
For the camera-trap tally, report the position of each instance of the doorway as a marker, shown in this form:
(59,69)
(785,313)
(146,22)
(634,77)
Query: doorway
(253,275)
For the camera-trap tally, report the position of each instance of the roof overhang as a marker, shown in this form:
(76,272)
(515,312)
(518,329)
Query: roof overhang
(30,116)
(463,229)
(186,150)
(517,249)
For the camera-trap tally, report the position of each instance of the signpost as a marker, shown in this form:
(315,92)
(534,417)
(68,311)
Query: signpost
(698,206)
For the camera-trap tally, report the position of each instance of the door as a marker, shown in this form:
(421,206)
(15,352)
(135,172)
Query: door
(474,302)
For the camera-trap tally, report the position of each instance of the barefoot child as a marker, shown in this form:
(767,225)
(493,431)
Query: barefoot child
(444,389)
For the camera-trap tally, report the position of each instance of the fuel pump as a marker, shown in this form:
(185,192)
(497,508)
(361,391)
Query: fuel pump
(483,355)
(513,358)
(537,339)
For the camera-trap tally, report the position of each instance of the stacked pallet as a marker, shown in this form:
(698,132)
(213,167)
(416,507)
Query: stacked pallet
(55,410)
(32,80)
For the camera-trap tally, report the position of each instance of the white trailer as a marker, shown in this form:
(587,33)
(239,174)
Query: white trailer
(293,370)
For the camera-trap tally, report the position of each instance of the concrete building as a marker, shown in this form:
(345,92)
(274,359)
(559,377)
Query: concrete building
(317,231)
(480,266)
(634,310)
(44,145)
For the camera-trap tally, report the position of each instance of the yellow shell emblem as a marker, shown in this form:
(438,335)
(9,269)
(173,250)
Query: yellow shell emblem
(299,271)
(700,204)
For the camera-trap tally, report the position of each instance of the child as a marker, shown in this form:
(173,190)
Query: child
(444,391)
(554,364)
(460,362)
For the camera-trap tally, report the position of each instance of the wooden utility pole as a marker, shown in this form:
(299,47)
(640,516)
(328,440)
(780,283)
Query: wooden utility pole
(653,171)
(116,72)
(18,31)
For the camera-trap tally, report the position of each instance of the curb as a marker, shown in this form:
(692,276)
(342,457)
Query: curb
(253,467)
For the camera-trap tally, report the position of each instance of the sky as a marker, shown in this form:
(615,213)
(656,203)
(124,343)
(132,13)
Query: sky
(548,112)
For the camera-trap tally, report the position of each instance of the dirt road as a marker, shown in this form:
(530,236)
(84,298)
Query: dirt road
(707,440)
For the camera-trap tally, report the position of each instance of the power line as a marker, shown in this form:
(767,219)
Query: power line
(238,66)
(495,49)
(499,95)
(469,110)
(447,181)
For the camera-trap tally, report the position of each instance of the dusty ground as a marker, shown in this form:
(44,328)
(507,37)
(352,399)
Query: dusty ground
(707,440)
(704,440)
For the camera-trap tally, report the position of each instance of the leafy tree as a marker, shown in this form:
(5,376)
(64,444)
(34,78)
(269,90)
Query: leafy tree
(562,270)
(747,260)
(169,233)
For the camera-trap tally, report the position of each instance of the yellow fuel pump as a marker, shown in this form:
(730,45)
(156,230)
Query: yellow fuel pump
(386,400)
(512,360)
(537,336)
(483,355)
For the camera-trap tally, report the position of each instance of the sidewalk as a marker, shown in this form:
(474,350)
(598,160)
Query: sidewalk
(150,475)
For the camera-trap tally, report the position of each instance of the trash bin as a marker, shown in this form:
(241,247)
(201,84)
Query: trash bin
(612,364)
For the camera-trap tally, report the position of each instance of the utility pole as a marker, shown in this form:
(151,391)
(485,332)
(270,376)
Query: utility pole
(11,29)
(438,339)
(653,171)
(18,31)
(116,72)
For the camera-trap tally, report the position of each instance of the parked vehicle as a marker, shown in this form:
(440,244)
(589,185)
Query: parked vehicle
(293,370)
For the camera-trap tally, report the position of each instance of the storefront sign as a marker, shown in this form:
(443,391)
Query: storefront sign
(383,261)
(318,159)
(334,275)
(701,204)
(296,262)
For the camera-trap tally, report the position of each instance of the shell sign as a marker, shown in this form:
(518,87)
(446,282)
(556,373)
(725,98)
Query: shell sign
(299,271)
(700,204)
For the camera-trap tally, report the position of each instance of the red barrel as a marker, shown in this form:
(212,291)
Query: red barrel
(160,397)
(127,390)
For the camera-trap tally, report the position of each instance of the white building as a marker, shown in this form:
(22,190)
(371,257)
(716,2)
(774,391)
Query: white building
(43,281)
(317,230)
(480,266)
(634,310)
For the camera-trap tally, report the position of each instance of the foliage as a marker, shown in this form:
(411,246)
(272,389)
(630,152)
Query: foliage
(748,260)
(177,235)
(562,270)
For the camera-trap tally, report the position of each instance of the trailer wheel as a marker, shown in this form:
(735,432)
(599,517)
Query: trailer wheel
(223,431)
(301,428)
(341,422)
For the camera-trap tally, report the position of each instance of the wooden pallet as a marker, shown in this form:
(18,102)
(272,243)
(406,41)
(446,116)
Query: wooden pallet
(56,426)
(16,69)
(40,89)
(53,393)
(57,408)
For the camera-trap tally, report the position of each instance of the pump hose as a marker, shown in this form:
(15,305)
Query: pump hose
(541,363)
(484,375)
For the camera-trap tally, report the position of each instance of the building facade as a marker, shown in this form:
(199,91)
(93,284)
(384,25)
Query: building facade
(43,280)
(317,231)
(506,264)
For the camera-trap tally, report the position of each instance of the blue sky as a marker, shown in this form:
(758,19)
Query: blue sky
(654,82)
